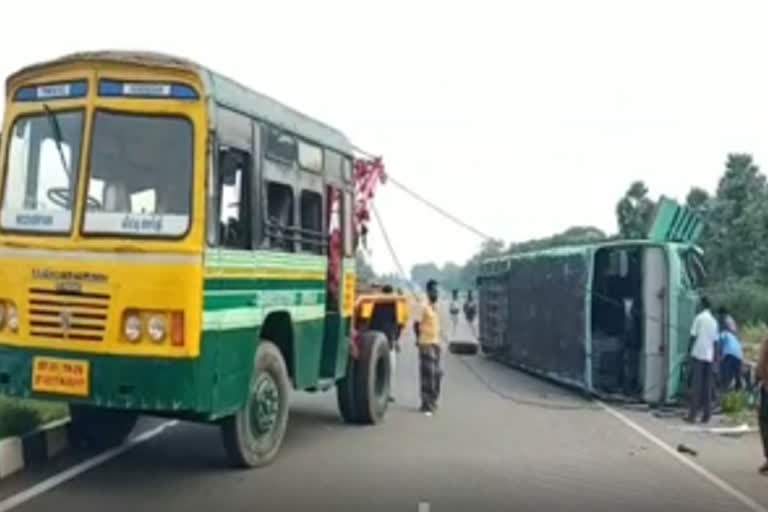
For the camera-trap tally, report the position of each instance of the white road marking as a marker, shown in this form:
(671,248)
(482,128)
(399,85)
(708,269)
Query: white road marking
(424,506)
(68,474)
(701,471)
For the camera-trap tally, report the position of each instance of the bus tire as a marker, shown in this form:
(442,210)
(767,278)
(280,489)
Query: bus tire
(97,428)
(253,435)
(372,378)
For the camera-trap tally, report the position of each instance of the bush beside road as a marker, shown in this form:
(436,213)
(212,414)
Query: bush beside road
(18,417)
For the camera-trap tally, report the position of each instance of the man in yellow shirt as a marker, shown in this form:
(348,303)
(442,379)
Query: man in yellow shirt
(427,329)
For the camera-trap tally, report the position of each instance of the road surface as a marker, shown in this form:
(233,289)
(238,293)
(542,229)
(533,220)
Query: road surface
(500,441)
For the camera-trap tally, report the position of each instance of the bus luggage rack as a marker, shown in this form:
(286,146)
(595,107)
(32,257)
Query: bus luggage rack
(67,315)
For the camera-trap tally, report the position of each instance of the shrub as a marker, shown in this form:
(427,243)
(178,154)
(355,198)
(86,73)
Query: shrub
(735,401)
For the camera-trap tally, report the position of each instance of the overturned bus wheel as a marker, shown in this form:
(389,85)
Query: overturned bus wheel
(464,348)
(253,436)
(97,428)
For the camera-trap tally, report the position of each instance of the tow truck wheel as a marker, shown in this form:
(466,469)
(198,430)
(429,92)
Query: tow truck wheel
(253,435)
(96,428)
(345,395)
(363,394)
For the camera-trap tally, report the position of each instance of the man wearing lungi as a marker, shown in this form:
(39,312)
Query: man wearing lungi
(427,329)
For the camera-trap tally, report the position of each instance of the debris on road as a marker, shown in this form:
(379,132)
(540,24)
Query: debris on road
(737,431)
(687,450)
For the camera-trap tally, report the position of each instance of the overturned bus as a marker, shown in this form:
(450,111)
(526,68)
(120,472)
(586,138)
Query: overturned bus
(611,318)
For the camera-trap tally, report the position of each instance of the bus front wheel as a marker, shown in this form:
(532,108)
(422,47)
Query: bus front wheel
(253,435)
(97,428)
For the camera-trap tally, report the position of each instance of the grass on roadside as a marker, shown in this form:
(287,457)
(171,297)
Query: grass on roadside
(738,408)
(752,336)
(21,416)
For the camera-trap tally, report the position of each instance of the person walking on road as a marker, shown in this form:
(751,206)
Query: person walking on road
(454,310)
(427,330)
(470,311)
(762,377)
(704,334)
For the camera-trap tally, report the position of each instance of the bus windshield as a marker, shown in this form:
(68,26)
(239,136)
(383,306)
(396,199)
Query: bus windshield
(40,181)
(140,176)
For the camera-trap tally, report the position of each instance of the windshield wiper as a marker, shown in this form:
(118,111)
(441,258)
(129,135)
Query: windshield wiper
(57,137)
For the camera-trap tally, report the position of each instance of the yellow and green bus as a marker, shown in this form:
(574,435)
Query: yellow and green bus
(173,243)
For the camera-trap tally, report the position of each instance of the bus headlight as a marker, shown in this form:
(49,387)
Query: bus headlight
(157,328)
(2,314)
(132,327)
(12,319)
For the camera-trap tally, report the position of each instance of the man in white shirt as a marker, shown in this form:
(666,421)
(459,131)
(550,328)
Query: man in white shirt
(704,335)
(454,311)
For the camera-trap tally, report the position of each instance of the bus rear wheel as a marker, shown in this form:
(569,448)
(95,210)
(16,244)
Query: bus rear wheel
(97,428)
(253,435)
(363,393)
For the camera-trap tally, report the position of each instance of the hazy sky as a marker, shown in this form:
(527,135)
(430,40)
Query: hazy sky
(522,118)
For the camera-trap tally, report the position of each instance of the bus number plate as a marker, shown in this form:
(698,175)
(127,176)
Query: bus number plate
(60,376)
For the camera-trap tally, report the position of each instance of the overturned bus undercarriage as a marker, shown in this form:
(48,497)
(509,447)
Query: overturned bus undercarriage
(609,318)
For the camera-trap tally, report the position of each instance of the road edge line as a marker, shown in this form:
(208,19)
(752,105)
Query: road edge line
(68,474)
(718,482)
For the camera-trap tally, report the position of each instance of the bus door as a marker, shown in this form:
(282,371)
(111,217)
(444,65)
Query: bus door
(332,337)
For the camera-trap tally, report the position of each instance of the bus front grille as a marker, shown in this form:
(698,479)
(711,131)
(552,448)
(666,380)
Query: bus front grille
(67,315)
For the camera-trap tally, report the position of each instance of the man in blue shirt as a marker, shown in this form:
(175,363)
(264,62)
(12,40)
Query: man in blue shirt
(732,357)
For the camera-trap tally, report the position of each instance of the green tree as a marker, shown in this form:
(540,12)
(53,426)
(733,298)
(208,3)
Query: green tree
(698,200)
(634,211)
(423,272)
(488,249)
(736,220)
(575,235)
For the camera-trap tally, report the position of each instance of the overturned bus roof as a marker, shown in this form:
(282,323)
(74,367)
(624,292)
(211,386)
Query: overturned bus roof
(497,263)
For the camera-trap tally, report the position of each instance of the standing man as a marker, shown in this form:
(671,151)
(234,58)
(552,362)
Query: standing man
(762,376)
(427,329)
(454,311)
(727,320)
(470,311)
(730,364)
(704,335)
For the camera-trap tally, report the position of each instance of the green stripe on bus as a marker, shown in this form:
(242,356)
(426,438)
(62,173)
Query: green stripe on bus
(245,317)
(217,283)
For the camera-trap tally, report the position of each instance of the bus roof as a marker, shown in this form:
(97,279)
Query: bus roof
(487,264)
(220,89)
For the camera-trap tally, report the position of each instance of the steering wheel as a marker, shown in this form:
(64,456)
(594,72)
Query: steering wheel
(61,197)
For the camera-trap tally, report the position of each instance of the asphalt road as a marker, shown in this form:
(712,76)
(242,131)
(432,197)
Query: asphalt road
(500,441)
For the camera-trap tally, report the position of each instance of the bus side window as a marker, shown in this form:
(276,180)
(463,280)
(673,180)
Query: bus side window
(234,203)
(280,223)
(311,209)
